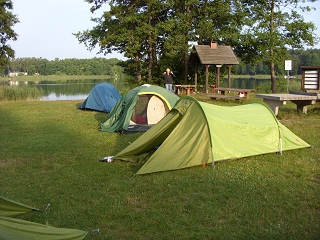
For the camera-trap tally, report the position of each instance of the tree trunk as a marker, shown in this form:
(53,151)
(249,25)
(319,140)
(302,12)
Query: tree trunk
(185,68)
(186,52)
(150,54)
(273,78)
(155,61)
(272,27)
(137,60)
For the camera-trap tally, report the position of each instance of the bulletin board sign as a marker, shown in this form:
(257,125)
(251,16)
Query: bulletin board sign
(310,78)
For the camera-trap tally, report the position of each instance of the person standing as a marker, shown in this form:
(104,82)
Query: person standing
(168,77)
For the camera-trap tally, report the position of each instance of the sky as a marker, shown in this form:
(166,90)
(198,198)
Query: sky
(46,26)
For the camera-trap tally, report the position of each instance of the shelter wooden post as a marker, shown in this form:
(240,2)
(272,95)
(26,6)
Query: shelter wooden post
(218,76)
(207,78)
(229,76)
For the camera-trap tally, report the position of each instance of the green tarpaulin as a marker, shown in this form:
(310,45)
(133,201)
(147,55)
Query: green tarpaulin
(195,132)
(9,208)
(17,229)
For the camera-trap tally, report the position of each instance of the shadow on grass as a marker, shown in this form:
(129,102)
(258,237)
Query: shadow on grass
(99,116)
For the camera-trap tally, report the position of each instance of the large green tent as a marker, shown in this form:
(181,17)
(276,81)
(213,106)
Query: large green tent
(142,106)
(195,132)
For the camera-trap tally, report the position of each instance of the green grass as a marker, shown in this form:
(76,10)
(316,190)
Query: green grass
(50,151)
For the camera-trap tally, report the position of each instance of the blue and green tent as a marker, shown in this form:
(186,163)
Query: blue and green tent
(139,109)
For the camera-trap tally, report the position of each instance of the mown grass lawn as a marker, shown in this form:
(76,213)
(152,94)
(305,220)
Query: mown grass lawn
(50,151)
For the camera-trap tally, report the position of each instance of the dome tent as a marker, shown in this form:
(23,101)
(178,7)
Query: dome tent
(102,97)
(194,133)
(139,109)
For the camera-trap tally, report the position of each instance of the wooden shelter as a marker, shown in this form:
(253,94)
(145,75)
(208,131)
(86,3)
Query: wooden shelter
(212,54)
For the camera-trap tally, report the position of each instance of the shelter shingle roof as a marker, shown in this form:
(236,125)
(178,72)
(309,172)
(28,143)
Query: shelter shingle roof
(213,56)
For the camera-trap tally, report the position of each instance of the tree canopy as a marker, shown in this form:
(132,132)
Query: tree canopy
(273,27)
(154,34)
(7,21)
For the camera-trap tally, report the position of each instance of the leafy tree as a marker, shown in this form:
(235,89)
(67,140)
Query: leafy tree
(272,27)
(148,31)
(31,70)
(117,30)
(7,21)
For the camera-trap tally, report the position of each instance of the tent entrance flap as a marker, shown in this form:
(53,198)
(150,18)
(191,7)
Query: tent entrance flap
(156,110)
(139,113)
(149,109)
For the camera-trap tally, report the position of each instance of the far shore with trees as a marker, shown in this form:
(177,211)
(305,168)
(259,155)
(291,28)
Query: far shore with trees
(113,67)
(154,35)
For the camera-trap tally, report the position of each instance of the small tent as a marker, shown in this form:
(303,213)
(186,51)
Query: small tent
(102,97)
(139,109)
(195,132)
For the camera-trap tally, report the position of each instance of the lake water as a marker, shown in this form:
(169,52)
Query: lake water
(55,97)
(80,89)
(64,90)
(248,83)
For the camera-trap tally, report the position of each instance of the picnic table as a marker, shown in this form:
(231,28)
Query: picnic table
(187,88)
(302,100)
(223,92)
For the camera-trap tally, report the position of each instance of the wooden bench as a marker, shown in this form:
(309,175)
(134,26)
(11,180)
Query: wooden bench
(220,96)
(302,100)
(223,92)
